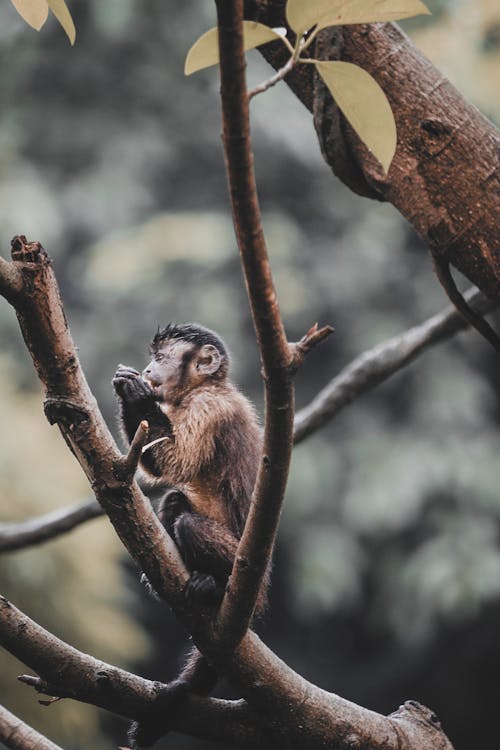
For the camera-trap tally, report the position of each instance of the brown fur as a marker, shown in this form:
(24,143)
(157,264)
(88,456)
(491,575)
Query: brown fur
(210,457)
(214,454)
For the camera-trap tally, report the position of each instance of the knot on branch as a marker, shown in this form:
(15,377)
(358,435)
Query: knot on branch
(27,252)
(415,711)
(64,411)
(42,686)
(300,349)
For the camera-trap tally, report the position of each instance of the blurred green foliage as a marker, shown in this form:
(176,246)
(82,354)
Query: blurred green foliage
(112,160)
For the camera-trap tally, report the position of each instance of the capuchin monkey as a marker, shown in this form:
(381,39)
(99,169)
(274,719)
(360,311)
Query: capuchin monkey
(207,449)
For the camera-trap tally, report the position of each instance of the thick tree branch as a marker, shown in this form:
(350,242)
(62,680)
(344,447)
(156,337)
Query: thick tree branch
(15,536)
(318,716)
(16,735)
(70,404)
(378,364)
(68,673)
(445,177)
(279,359)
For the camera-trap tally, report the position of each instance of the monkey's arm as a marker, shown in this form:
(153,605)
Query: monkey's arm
(137,402)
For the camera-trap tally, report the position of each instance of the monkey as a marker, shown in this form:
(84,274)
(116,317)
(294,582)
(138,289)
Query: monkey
(205,444)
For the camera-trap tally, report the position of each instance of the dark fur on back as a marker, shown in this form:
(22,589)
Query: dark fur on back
(191,332)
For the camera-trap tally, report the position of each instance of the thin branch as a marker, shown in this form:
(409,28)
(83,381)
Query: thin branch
(276,78)
(278,357)
(14,536)
(255,548)
(69,673)
(126,466)
(378,364)
(17,735)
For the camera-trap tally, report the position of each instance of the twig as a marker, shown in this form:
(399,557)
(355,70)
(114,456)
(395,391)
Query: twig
(276,78)
(126,466)
(17,735)
(378,364)
(312,338)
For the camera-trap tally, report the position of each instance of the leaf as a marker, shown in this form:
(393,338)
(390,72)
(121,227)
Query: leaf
(364,105)
(34,12)
(205,51)
(61,12)
(304,14)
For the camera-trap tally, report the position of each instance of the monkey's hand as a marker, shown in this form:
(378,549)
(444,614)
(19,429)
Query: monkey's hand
(130,387)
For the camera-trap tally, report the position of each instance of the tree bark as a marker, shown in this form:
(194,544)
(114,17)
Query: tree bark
(444,178)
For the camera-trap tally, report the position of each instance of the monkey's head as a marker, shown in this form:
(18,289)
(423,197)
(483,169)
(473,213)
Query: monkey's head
(183,357)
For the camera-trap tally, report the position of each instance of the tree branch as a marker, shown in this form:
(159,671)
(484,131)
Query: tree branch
(70,404)
(255,548)
(318,716)
(378,364)
(17,735)
(15,536)
(66,672)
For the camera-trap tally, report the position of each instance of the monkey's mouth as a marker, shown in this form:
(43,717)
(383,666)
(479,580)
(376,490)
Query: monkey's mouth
(156,388)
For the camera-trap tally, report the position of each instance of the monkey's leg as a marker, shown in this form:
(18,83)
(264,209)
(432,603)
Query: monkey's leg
(208,549)
(197,676)
(172,504)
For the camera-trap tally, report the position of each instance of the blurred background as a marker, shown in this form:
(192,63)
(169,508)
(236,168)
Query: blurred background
(387,573)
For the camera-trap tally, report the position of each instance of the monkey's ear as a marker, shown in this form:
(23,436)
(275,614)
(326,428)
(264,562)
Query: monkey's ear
(209,359)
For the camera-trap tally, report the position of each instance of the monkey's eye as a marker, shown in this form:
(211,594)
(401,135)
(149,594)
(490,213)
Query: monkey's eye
(159,357)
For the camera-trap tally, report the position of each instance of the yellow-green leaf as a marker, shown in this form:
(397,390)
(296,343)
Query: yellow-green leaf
(61,12)
(304,14)
(34,12)
(205,51)
(365,106)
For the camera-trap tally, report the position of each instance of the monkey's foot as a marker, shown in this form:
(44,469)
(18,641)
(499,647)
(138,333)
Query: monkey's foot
(157,721)
(202,590)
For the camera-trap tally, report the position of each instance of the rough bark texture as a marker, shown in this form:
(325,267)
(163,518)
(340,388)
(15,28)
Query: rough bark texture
(445,176)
